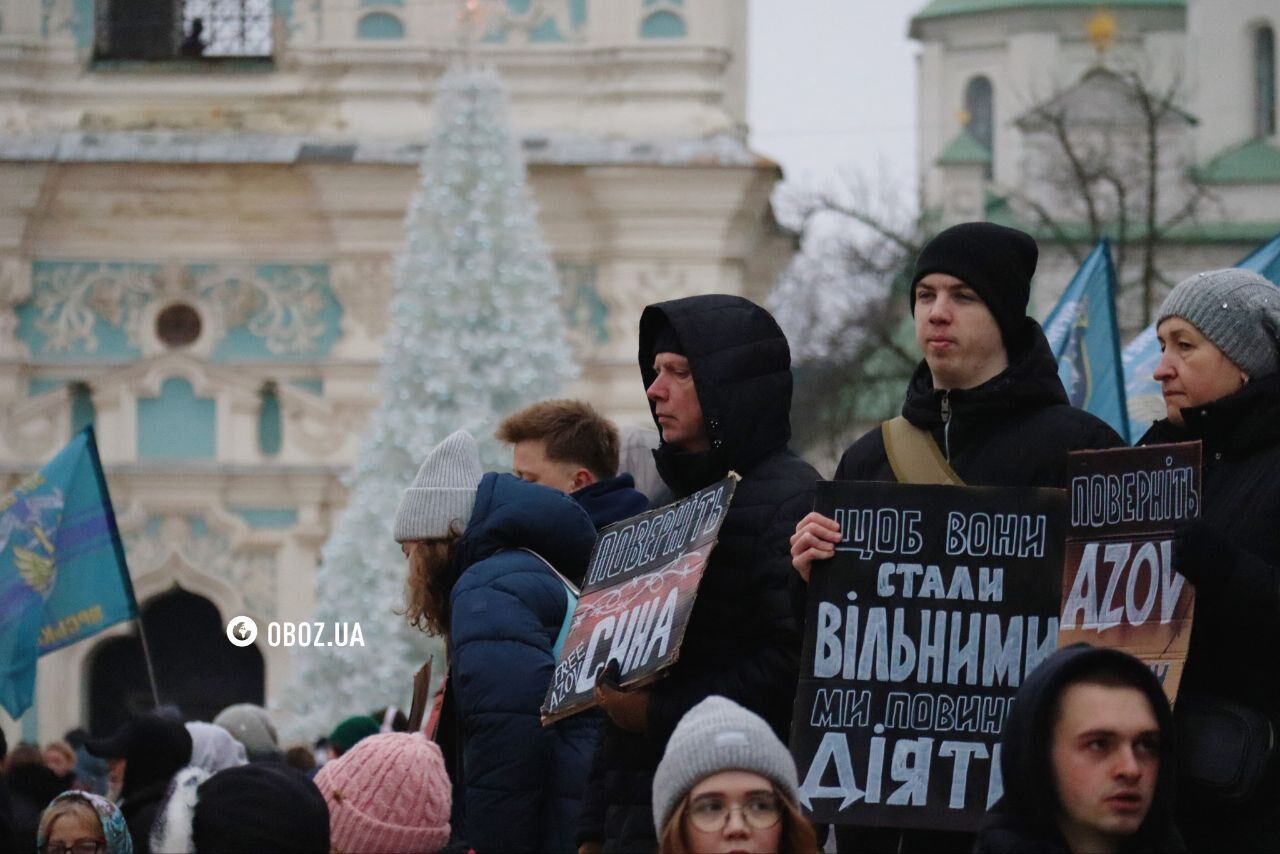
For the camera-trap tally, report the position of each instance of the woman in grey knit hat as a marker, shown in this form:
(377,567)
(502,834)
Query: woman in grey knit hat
(1220,375)
(726,783)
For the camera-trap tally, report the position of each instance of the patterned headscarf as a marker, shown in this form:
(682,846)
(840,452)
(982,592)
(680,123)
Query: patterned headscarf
(113,826)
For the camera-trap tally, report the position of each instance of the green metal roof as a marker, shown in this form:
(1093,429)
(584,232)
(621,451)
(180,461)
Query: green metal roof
(964,150)
(950,8)
(1255,162)
(998,211)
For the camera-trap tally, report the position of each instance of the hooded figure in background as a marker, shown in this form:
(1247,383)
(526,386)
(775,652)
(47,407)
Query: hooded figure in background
(153,749)
(717,370)
(1029,817)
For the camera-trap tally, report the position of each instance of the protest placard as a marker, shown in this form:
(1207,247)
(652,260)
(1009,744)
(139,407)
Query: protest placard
(1119,589)
(938,602)
(637,597)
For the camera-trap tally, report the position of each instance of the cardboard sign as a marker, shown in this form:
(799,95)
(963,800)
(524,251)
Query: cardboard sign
(637,597)
(418,705)
(938,602)
(1119,589)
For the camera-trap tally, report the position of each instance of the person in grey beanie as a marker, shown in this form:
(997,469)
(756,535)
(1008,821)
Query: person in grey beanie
(1220,375)
(727,783)
(486,552)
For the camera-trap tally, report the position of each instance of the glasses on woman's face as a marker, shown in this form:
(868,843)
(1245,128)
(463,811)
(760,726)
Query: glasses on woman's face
(710,813)
(80,846)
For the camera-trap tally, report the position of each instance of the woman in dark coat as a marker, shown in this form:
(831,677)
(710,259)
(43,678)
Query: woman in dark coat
(481,548)
(1220,376)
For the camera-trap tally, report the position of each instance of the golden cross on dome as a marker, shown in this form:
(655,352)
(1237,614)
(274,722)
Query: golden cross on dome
(1102,31)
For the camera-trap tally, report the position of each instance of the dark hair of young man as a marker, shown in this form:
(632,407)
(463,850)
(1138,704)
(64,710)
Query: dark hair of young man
(572,431)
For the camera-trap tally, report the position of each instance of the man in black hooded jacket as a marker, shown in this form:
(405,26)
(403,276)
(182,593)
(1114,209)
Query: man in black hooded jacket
(717,371)
(1087,758)
(987,394)
(152,748)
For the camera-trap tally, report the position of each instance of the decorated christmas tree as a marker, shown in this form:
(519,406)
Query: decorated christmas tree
(476,332)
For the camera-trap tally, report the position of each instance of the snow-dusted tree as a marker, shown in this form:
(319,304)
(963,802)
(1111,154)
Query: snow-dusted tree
(476,332)
(842,302)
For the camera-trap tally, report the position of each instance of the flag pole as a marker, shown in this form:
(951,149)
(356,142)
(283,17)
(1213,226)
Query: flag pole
(118,545)
(146,656)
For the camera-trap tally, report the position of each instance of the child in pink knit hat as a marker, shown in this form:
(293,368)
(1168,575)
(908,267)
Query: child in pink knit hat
(388,794)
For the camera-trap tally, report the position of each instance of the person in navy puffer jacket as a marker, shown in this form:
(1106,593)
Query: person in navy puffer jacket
(481,548)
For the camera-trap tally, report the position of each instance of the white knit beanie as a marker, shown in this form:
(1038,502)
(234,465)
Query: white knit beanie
(718,735)
(443,492)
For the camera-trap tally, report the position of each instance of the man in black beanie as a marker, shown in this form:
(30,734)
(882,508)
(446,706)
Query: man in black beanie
(986,398)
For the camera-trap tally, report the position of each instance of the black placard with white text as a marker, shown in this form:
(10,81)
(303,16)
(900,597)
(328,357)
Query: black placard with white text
(938,602)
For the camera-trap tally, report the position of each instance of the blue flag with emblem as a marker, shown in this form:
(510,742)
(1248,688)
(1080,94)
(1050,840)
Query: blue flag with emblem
(62,569)
(1085,339)
(1142,356)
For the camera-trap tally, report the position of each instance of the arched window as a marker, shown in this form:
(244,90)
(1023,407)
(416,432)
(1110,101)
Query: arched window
(269,433)
(663,25)
(979,106)
(1264,82)
(82,411)
(379,25)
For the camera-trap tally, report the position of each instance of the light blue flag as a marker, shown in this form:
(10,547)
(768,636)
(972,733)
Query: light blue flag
(62,569)
(1085,339)
(1142,356)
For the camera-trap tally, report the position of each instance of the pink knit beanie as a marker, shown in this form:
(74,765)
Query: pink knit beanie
(388,794)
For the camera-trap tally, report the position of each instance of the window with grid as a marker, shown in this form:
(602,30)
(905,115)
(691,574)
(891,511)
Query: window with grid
(1264,86)
(231,27)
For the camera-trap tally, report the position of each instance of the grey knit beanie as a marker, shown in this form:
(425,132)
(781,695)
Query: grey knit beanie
(1238,310)
(251,726)
(718,735)
(443,492)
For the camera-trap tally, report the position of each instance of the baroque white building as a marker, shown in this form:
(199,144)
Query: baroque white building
(195,255)
(985,64)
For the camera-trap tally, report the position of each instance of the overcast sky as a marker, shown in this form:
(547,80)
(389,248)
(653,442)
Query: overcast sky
(831,86)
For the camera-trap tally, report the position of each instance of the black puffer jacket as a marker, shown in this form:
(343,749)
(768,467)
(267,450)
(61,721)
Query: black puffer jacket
(1236,630)
(1013,430)
(742,642)
(1024,821)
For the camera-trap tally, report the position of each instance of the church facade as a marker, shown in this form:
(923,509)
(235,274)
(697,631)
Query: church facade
(196,249)
(994,75)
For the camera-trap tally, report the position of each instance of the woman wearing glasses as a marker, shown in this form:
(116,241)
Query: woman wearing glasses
(726,783)
(82,823)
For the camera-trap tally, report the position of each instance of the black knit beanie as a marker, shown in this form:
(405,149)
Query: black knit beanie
(997,262)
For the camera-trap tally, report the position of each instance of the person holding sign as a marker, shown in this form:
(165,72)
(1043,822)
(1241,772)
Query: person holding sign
(727,783)
(481,550)
(717,372)
(1220,374)
(984,408)
(1087,756)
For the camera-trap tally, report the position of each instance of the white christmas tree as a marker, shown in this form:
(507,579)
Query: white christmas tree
(476,332)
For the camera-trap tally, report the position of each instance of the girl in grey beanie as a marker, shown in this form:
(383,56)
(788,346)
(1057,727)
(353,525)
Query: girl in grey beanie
(726,783)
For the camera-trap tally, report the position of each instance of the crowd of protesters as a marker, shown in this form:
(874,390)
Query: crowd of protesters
(1093,758)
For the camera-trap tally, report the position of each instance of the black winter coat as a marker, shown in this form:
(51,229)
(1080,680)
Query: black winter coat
(1236,631)
(517,785)
(742,641)
(1013,430)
